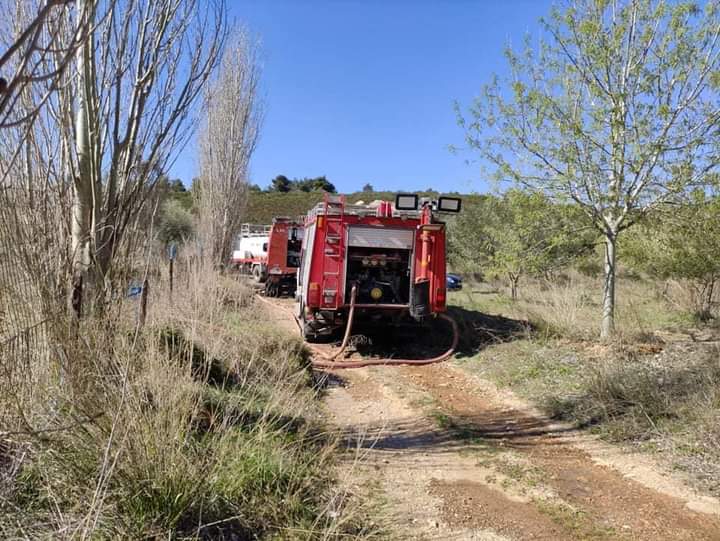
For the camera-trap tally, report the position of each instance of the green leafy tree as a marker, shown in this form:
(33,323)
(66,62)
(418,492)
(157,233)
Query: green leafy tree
(468,238)
(368,188)
(314,184)
(518,235)
(280,184)
(176,223)
(176,185)
(617,110)
(322,183)
(303,185)
(681,243)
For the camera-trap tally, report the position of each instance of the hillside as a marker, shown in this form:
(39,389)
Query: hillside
(262,207)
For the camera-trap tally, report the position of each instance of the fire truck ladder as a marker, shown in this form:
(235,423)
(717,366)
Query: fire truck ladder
(334,212)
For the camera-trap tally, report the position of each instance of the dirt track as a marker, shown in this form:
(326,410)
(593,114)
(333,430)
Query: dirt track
(451,457)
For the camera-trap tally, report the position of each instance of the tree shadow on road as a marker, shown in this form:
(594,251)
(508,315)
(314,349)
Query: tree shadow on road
(437,432)
(476,329)
(479,330)
(491,429)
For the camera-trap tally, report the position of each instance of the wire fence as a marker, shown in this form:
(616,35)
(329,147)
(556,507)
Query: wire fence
(25,307)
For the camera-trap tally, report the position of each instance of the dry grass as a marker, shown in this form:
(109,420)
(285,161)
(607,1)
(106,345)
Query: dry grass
(201,425)
(656,387)
(668,402)
(569,306)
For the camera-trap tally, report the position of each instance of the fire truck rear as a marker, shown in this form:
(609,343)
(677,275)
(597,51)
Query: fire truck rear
(385,261)
(271,254)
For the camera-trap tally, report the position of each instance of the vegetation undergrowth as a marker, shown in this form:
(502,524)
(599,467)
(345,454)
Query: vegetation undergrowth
(656,387)
(201,425)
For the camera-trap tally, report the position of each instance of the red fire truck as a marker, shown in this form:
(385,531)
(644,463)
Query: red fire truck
(271,254)
(385,261)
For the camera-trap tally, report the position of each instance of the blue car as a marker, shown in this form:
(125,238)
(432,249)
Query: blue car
(454,282)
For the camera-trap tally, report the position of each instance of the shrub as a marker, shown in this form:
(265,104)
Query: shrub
(633,397)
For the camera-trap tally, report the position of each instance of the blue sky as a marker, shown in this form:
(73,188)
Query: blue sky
(363,91)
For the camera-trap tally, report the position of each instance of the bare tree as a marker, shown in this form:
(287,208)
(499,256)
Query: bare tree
(228,136)
(140,72)
(38,52)
(617,111)
(79,155)
(39,40)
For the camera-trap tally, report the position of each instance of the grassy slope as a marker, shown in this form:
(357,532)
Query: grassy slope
(213,434)
(264,206)
(655,388)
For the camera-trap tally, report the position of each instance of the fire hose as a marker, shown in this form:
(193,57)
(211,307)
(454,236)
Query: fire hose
(322,360)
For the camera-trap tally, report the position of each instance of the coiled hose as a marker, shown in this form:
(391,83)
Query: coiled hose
(322,360)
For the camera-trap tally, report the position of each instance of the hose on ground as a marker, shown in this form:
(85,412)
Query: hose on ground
(321,360)
(348,327)
(325,362)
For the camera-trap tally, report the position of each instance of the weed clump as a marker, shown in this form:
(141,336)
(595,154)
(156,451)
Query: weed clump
(669,402)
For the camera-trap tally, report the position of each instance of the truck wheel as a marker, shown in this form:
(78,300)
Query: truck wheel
(257,274)
(272,288)
(308,333)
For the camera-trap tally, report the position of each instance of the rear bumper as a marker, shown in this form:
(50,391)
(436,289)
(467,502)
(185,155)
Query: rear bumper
(377,306)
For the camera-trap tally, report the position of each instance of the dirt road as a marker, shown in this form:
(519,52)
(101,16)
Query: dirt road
(449,456)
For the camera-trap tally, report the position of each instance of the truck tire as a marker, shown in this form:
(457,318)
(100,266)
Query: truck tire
(257,274)
(308,333)
(272,288)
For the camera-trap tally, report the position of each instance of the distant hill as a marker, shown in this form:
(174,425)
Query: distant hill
(264,206)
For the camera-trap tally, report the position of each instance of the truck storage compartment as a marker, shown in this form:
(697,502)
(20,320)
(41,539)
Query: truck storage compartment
(382,275)
(381,237)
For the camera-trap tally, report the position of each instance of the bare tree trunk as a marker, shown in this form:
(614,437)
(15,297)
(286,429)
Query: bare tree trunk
(608,319)
(514,279)
(707,299)
(82,208)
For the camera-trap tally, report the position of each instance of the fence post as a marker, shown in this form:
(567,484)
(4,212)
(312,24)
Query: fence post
(143,303)
(172,253)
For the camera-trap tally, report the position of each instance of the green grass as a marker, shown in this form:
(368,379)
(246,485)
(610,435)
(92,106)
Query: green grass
(576,521)
(195,460)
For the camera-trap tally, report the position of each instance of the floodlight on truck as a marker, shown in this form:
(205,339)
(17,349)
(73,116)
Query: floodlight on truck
(404,201)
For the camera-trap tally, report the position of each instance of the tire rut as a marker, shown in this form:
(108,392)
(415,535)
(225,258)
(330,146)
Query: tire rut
(620,507)
(450,460)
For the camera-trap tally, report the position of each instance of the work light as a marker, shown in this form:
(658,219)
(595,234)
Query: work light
(406,201)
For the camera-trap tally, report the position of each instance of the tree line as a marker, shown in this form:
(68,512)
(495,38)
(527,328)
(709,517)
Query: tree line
(519,236)
(283,184)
